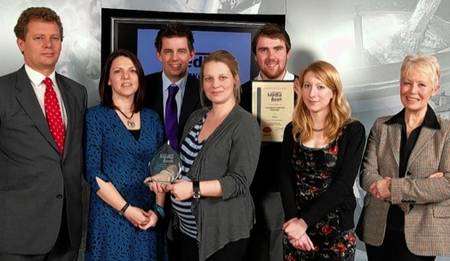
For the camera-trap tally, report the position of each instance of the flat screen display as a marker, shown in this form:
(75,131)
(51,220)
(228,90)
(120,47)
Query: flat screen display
(137,30)
(238,43)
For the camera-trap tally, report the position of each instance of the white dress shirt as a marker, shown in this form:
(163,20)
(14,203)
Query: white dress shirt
(37,79)
(287,77)
(178,97)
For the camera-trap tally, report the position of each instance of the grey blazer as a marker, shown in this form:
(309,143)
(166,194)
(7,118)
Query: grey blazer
(230,154)
(425,201)
(35,181)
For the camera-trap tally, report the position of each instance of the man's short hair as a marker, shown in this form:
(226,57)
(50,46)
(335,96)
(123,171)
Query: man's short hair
(273,31)
(174,30)
(36,13)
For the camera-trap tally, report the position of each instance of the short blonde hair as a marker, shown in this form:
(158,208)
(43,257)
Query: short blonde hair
(228,59)
(427,64)
(340,112)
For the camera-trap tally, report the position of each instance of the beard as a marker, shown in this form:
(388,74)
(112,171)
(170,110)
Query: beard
(274,73)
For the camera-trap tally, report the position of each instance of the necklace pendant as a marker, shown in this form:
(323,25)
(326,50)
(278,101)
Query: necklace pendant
(131,124)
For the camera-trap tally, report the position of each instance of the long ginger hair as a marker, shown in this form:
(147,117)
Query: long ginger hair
(340,112)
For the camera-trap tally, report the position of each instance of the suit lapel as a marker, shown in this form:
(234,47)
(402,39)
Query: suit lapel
(68,105)
(425,136)
(394,134)
(190,100)
(28,100)
(159,97)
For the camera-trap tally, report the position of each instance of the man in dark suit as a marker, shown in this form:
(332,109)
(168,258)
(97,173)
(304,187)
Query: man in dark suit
(41,128)
(271,46)
(173,93)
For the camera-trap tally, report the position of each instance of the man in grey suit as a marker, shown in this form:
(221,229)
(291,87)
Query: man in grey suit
(41,129)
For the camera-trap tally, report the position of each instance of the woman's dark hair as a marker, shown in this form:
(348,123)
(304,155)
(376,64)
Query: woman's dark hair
(105,90)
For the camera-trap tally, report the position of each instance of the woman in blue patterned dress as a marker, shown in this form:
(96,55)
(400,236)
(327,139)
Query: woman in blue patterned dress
(121,138)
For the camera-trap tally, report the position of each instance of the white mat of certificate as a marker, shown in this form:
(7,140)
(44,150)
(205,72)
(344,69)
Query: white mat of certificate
(273,105)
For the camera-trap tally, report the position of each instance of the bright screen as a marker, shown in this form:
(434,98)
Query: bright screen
(136,30)
(205,42)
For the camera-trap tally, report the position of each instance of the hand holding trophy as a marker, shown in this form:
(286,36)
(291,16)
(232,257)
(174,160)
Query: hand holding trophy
(164,168)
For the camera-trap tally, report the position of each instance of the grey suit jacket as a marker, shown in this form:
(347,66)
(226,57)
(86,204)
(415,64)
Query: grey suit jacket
(425,201)
(35,181)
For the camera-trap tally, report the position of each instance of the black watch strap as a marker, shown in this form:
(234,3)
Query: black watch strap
(196,189)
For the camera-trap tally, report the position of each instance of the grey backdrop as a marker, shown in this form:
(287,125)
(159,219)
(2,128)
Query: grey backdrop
(365,39)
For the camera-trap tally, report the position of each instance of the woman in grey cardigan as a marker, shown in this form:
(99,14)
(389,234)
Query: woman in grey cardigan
(212,204)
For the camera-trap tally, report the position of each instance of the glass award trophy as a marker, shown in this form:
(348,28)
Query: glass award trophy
(165,166)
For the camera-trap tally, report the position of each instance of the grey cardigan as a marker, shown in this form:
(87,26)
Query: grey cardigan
(230,155)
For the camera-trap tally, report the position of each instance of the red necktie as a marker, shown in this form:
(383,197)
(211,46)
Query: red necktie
(53,115)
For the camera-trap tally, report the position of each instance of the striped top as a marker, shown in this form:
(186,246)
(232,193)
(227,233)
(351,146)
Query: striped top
(189,150)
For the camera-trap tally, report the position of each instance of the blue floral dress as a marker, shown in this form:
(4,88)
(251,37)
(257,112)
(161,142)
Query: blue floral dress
(114,155)
(314,172)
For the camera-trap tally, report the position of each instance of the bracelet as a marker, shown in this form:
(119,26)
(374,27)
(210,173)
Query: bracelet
(124,208)
(159,211)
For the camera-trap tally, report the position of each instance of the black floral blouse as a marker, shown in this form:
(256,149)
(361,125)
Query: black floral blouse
(314,170)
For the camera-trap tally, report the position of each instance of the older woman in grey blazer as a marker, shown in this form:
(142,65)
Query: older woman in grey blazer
(406,172)
(213,208)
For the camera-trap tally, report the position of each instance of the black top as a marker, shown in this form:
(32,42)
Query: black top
(314,170)
(339,193)
(135,133)
(395,220)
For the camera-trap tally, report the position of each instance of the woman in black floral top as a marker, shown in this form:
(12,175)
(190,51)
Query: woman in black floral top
(322,151)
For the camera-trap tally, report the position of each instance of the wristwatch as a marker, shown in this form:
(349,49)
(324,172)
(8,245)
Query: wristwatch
(196,189)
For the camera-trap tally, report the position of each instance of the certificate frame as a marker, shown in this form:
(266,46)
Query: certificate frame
(273,106)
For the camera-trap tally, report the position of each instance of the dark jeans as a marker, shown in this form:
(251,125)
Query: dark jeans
(394,248)
(188,249)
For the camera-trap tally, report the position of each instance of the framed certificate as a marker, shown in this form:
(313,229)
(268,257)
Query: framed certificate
(273,105)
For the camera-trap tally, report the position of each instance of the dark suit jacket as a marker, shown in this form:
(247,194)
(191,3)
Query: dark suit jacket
(154,98)
(35,181)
